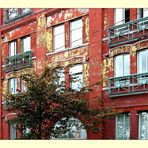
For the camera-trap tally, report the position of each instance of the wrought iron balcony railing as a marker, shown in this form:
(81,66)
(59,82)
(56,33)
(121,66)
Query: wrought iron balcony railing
(128,85)
(18,61)
(11,14)
(127,33)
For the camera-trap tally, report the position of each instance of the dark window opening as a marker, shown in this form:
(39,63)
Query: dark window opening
(127,15)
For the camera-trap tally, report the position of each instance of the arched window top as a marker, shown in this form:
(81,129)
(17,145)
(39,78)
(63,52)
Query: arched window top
(71,128)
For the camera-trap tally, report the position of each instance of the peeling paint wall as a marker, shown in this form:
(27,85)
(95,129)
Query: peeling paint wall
(65,15)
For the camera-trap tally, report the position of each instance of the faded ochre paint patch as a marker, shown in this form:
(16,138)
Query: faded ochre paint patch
(87,29)
(41,31)
(107,67)
(49,40)
(41,21)
(86,74)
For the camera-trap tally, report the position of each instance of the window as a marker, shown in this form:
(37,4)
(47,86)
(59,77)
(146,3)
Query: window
(23,87)
(76,33)
(143,125)
(13,85)
(25,10)
(12,13)
(76,77)
(121,16)
(25,44)
(13,131)
(75,129)
(122,65)
(142,12)
(123,126)
(12,48)
(143,66)
(143,61)
(58,38)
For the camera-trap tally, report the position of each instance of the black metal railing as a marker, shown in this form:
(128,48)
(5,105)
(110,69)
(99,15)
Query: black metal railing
(128,32)
(11,14)
(128,85)
(18,61)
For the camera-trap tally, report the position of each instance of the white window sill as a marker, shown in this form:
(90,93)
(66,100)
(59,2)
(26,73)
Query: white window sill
(67,49)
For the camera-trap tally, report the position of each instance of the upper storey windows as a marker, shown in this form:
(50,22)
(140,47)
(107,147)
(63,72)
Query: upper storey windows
(121,16)
(128,27)
(76,32)
(15,13)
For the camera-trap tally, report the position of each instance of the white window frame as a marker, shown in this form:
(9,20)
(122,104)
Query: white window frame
(56,35)
(124,128)
(78,41)
(74,72)
(13,131)
(26,43)
(12,48)
(12,85)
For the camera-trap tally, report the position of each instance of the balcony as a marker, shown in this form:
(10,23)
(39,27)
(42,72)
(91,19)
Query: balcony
(19,61)
(128,32)
(128,85)
(12,14)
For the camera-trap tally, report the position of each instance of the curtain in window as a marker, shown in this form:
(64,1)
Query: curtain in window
(143,125)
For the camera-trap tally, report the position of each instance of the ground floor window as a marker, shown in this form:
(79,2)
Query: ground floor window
(12,131)
(75,129)
(143,125)
(123,126)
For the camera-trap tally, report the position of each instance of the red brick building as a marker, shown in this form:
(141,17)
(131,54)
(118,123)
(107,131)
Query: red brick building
(103,44)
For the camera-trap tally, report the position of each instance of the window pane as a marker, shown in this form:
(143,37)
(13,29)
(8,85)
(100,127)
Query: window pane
(76,24)
(119,16)
(13,85)
(143,125)
(76,33)
(25,10)
(77,82)
(59,42)
(126,64)
(59,38)
(12,131)
(145,12)
(76,76)
(12,48)
(76,37)
(75,130)
(76,69)
(13,12)
(118,66)
(26,44)
(58,29)
(123,126)
(139,13)
(142,61)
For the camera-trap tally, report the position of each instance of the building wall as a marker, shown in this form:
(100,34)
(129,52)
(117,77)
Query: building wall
(39,25)
(94,54)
